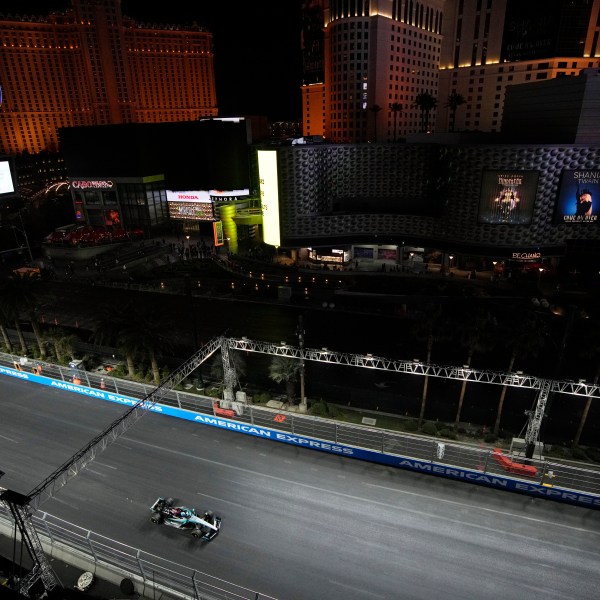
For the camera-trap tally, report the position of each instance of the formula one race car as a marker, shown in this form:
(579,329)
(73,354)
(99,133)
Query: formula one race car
(204,527)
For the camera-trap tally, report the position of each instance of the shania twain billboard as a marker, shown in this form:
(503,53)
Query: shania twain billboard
(578,197)
(507,197)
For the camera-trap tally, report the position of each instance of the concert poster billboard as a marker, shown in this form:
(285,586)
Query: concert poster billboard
(578,197)
(507,197)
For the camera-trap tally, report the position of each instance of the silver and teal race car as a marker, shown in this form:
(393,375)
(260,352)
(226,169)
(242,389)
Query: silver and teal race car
(204,527)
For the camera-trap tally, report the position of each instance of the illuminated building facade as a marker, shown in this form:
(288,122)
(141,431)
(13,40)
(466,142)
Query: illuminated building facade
(377,57)
(498,202)
(146,175)
(489,46)
(94,66)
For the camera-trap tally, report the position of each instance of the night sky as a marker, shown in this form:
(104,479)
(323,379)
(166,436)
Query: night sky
(257,47)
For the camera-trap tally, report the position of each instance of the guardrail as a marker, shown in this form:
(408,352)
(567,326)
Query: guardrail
(411,451)
(155,574)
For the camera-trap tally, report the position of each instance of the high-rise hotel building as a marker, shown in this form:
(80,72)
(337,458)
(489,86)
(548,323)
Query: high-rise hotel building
(489,45)
(91,65)
(367,61)
(378,56)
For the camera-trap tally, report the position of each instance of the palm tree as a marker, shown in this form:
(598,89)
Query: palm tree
(285,370)
(375,110)
(524,336)
(589,351)
(474,335)
(6,320)
(396,108)
(425,102)
(145,332)
(429,326)
(110,329)
(62,342)
(18,295)
(454,101)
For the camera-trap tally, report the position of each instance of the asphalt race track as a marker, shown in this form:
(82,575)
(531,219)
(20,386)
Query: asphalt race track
(297,524)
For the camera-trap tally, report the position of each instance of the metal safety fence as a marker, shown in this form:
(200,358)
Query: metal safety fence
(574,477)
(160,574)
(159,577)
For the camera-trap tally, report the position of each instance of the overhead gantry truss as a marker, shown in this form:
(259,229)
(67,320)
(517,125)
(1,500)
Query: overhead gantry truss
(414,367)
(21,506)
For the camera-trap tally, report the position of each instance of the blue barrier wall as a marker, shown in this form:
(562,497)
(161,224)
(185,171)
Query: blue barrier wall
(470,476)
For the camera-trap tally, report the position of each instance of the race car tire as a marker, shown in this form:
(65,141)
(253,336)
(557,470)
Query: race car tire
(169,501)
(197,533)
(156,518)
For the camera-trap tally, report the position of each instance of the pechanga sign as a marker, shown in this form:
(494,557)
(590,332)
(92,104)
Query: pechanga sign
(422,466)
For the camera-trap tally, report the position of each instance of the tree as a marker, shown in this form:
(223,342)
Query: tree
(145,332)
(589,350)
(285,370)
(429,326)
(375,110)
(425,102)
(62,342)
(110,329)
(525,335)
(396,108)
(454,101)
(474,335)
(6,320)
(20,295)
(136,332)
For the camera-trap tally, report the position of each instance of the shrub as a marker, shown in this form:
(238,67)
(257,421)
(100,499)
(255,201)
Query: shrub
(261,398)
(490,438)
(593,454)
(557,452)
(319,409)
(411,425)
(119,371)
(448,433)
(429,428)
(578,453)
(334,411)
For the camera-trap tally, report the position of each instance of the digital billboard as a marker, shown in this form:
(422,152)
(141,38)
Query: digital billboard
(269,196)
(578,197)
(507,197)
(7,185)
(190,205)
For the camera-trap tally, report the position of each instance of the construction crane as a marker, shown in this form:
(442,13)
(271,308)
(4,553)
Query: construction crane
(22,507)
